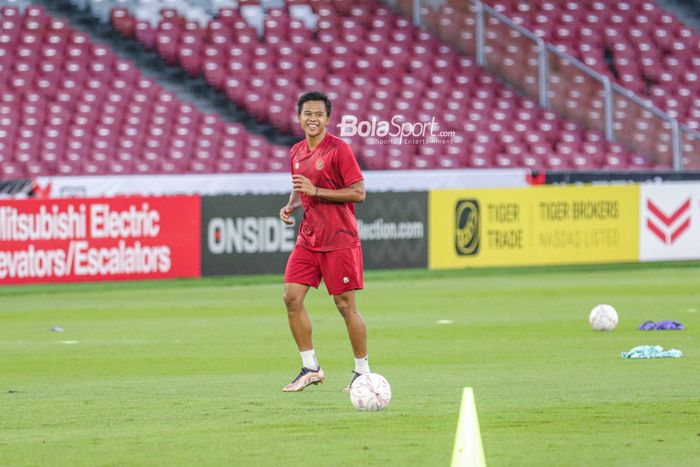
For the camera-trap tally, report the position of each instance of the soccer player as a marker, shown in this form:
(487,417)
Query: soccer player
(326,181)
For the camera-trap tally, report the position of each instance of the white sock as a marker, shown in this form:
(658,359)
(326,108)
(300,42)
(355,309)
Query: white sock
(308,359)
(362,365)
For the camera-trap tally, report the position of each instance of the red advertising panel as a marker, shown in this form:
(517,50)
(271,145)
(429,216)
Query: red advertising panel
(94,239)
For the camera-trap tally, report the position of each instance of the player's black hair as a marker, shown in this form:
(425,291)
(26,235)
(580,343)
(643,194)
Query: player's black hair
(314,96)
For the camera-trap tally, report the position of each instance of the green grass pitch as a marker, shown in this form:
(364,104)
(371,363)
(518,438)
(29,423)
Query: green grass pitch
(189,372)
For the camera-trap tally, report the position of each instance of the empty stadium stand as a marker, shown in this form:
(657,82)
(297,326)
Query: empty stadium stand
(70,106)
(375,65)
(76,107)
(638,45)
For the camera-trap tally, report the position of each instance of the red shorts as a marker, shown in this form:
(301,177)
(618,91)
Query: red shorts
(341,269)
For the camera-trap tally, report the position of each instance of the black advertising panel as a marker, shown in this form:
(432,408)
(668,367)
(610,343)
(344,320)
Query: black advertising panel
(244,234)
(394,230)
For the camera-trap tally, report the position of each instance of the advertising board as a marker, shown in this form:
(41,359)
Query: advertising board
(533,226)
(669,221)
(244,235)
(92,239)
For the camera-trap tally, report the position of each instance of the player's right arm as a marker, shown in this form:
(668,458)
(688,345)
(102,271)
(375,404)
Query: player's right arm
(286,211)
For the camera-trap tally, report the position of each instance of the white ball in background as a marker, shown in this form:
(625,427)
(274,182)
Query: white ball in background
(603,318)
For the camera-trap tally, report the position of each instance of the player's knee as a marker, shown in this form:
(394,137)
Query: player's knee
(345,308)
(292,301)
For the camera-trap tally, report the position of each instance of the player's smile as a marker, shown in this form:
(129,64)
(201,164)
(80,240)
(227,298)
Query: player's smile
(313,126)
(313,118)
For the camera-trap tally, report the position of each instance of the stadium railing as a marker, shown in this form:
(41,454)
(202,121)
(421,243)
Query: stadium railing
(559,81)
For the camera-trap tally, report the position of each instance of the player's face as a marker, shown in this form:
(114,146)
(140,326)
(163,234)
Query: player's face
(313,118)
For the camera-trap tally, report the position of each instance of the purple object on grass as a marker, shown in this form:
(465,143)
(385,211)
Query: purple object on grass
(662,326)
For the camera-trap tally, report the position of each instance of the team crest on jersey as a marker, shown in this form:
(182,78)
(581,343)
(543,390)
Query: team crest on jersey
(296,166)
(319,164)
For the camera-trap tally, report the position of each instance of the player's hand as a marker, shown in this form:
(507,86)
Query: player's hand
(302,184)
(285,214)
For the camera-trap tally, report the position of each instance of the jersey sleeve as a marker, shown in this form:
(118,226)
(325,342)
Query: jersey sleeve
(292,153)
(347,165)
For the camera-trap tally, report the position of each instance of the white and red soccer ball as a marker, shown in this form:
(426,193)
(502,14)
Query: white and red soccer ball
(370,391)
(603,318)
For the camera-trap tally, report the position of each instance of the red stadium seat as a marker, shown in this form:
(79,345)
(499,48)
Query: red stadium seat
(377,65)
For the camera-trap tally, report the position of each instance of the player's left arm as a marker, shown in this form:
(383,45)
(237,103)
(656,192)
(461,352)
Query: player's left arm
(354,193)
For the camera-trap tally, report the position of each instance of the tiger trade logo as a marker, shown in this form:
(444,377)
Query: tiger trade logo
(467,227)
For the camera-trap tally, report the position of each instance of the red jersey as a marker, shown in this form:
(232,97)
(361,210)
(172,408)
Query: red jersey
(327,225)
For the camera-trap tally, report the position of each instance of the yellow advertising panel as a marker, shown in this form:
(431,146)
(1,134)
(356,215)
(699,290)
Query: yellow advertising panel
(536,225)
